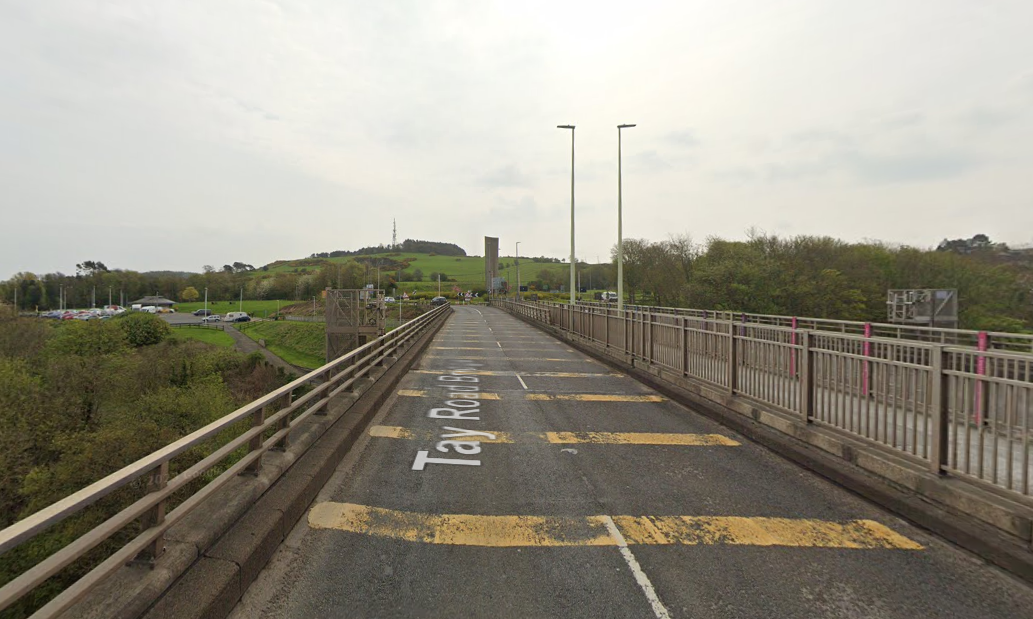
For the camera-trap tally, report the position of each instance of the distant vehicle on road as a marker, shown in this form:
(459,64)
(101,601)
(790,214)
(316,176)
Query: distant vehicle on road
(389,299)
(438,301)
(211,318)
(609,297)
(236,317)
(202,312)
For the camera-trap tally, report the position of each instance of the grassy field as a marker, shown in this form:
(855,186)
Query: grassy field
(216,337)
(299,343)
(259,309)
(468,271)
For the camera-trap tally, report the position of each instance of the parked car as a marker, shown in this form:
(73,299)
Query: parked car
(202,312)
(236,317)
(438,301)
(609,297)
(212,318)
(389,299)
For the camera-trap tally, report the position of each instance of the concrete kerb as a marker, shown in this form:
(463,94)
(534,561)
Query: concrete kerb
(979,520)
(236,525)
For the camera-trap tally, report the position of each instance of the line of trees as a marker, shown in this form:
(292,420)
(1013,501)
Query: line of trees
(827,278)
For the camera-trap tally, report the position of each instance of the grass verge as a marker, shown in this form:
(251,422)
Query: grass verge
(299,343)
(215,337)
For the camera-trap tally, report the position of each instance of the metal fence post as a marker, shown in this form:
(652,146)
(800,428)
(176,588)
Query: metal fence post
(285,423)
(257,419)
(939,410)
(733,360)
(155,516)
(806,378)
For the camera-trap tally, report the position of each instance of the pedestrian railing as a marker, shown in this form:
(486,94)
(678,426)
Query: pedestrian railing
(246,435)
(964,410)
(988,340)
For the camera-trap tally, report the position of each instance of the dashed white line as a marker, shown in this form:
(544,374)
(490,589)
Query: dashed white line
(640,577)
(521,381)
(499,343)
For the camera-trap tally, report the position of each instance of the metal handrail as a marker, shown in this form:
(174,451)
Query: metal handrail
(340,374)
(1001,340)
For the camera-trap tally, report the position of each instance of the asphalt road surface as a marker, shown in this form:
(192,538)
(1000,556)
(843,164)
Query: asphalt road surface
(511,476)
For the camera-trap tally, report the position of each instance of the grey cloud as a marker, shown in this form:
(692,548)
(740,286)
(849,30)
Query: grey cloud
(685,138)
(506,176)
(908,168)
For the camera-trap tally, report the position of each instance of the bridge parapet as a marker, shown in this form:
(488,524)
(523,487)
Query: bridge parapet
(949,422)
(233,446)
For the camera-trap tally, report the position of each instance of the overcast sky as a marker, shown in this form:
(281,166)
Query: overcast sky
(176,133)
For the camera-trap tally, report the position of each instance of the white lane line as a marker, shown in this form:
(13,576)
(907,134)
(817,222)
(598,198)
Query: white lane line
(499,343)
(522,381)
(643,581)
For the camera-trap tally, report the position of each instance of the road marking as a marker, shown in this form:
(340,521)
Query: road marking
(522,383)
(760,531)
(457,348)
(508,531)
(595,397)
(547,397)
(573,438)
(640,576)
(541,374)
(513,359)
(499,344)
(422,393)
(422,435)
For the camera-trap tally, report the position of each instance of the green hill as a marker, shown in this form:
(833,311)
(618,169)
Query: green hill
(466,272)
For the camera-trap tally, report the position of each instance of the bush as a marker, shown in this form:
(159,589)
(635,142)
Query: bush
(143,329)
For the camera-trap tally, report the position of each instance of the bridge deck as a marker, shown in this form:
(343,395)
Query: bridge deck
(587,494)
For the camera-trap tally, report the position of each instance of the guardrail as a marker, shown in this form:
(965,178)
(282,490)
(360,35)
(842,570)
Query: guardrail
(270,420)
(955,409)
(987,340)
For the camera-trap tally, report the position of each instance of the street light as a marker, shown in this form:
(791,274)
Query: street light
(206,301)
(518,268)
(571,127)
(620,231)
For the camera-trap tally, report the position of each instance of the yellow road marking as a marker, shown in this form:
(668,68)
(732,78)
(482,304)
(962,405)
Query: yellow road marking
(427,435)
(578,397)
(594,397)
(566,438)
(760,531)
(585,360)
(638,438)
(422,393)
(509,531)
(542,374)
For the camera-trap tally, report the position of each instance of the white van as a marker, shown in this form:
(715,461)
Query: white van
(235,316)
(150,309)
(609,297)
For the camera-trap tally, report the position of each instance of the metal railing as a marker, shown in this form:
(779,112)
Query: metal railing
(957,409)
(988,340)
(270,420)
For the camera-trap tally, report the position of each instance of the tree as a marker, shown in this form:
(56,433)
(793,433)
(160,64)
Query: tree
(140,329)
(189,294)
(417,275)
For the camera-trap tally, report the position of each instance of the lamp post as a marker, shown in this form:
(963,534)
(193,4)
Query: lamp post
(206,301)
(518,268)
(620,223)
(571,127)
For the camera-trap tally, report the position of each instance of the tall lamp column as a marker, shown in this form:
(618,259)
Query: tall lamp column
(572,264)
(620,224)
